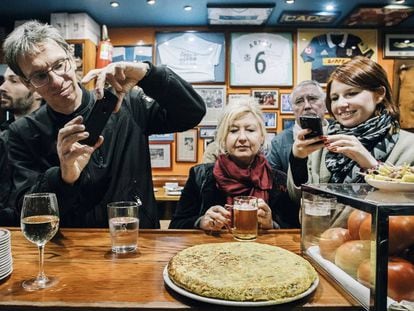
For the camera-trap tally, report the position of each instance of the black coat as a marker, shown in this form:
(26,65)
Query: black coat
(201,192)
(120,169)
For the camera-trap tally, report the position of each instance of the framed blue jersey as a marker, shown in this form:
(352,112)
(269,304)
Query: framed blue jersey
(321,52)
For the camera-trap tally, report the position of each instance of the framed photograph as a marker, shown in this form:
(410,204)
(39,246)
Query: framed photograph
(261,58)
(302,18)
(161,137)
(186,149)
(287,123)
(214,97)
(194,56)
(270,119)
(207,142)
(321,51)
(207,132)
(238,98)
(398,45)
(160,155)
(132,53)
(239,14)
(285,104)
(378,16)
(266,98)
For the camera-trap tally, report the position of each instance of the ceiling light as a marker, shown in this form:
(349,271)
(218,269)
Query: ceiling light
(290,1)
(114,4)
(399,1)
(329,7)
(150,2)
(188,8)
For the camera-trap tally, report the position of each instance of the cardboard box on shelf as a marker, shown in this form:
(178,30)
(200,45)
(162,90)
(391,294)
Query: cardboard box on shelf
(61,22)
(82,26)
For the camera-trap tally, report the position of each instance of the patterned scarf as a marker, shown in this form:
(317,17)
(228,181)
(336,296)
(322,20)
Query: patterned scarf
(256,180)
(378,135)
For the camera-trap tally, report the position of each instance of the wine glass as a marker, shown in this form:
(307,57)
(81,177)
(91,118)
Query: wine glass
(39,223)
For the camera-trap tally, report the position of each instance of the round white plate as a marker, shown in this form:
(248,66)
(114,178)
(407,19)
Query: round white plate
(216,301)
(390,185)
(4,233)
(6,274)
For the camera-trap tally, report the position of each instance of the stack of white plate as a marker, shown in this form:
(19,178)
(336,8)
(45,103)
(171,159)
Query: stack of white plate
(6,261)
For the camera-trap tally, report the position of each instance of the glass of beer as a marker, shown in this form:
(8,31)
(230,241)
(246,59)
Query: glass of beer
(245,218)
(39,223)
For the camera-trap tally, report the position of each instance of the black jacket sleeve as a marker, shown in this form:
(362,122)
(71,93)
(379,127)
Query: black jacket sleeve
(188,208)
(171,104)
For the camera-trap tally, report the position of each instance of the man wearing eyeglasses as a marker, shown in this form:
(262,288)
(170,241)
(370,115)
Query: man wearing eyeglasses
(307,98)
(45,148)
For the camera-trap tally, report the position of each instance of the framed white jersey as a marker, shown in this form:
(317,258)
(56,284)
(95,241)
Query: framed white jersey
(263,59)
(193,56)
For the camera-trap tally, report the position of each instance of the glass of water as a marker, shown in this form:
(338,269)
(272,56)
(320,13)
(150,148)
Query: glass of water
(123,226)
(39,223)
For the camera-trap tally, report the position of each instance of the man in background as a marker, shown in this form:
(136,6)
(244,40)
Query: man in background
(307,98)
(16,98)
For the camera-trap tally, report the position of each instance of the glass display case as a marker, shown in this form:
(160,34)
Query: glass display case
(363,238)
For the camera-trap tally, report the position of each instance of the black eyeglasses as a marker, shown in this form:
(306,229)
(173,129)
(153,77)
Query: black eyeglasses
(42,78)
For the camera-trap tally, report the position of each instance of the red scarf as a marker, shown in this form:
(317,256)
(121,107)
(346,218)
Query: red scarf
(256,180)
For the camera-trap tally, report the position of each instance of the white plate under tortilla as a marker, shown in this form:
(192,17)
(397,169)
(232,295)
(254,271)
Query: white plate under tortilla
(216,301)
(390,185)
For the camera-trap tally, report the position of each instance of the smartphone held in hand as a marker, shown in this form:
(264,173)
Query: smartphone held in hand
(312,122)
(98,117)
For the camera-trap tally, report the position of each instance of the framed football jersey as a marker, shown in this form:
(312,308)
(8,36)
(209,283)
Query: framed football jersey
(263,59)
(321,51)
(194,56)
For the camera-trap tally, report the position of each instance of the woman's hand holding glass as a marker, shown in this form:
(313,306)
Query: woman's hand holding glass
(39,223)
(264,215)
(215,218)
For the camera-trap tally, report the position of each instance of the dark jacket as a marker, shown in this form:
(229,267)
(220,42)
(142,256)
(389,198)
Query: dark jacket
(200,193)
(8,214)
(281,146)
(120,169)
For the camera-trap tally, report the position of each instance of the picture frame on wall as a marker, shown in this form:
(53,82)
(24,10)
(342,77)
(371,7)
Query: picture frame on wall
(378,16)
(194,56)
(398,45)
(238,98)
(214,98)
(287,123)
(268,142)
(208,132)
(266,98)
(160,155)
(261,59)
(132,53)
(161,137)
(285,104)
(187,146)
(321,51)
(270,119)
(207,142)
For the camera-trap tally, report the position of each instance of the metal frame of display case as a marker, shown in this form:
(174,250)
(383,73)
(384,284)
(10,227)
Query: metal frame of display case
(380,212)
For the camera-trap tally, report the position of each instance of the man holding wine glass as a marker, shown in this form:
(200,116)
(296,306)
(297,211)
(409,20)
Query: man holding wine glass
(46,151)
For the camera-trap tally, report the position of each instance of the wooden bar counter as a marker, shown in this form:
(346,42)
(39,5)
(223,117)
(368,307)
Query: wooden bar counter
(92,278)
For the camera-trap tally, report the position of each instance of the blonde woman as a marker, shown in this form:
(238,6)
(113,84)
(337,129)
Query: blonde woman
(240,169)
